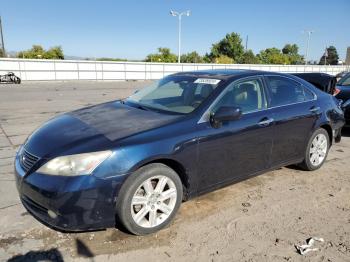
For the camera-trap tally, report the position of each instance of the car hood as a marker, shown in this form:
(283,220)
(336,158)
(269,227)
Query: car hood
(92,129)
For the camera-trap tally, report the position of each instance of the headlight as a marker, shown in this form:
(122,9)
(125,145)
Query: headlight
(74,165)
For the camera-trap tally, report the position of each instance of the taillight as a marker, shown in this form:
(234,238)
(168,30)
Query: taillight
(336,91)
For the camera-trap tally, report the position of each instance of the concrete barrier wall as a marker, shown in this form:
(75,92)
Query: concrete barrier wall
(51,70)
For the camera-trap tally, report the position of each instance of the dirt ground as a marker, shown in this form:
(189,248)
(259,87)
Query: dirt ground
(256,220)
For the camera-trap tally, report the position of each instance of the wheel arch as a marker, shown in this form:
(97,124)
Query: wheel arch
(177,167)
(328,128)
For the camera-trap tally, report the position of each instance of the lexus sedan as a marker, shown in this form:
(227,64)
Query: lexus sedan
(132,162)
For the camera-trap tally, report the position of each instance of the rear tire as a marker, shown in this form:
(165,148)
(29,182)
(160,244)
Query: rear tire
(316,150)
(149,199)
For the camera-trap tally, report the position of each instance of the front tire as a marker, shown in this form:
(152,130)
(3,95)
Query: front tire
(316,151)
(149,199)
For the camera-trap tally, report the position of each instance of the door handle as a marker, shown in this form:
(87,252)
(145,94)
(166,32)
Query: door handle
(265,121)
(315,109)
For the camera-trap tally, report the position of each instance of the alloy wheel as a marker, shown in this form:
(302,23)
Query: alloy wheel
(153,201)
(318,150)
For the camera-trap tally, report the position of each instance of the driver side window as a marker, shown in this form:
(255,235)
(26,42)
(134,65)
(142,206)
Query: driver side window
(248,95)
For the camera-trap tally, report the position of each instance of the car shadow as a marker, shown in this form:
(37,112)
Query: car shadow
(294,167)
(82,249)
(51,255)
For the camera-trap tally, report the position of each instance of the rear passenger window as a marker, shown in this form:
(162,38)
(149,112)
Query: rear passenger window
(284,91)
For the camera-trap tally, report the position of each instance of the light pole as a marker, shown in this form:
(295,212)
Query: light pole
(309,32)
(179,15)
(2,40)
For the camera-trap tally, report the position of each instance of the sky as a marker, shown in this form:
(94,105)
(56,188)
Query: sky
(132,29)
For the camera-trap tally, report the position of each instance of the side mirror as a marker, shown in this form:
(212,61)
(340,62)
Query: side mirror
(346,104)
(224,114)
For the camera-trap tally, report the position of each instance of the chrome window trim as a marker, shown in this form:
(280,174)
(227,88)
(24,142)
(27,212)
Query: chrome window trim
(290,78)
(205,117)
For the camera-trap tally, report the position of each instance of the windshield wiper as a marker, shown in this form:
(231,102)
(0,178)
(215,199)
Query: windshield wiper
(135,105)
(143,107)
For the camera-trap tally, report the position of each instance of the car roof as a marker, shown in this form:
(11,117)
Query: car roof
(233,74)
(223,74)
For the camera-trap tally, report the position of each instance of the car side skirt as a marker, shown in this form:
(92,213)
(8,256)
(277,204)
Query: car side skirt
(240,179)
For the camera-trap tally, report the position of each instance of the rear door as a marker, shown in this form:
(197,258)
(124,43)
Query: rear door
(295,111)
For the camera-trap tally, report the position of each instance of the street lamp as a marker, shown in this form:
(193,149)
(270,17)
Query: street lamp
(179,15)
(309,32)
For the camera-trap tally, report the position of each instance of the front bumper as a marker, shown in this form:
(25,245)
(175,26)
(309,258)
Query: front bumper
(77,203)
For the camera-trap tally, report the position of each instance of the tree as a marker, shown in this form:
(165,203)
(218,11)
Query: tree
(249,58)
(55,52)
(273,56)
(291,50)
(230,46)
(163,55)
(110,59)
(223,59)
(331,57)
(192,57)
(38,52)
(207,58)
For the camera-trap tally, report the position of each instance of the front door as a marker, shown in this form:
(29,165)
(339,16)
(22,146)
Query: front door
(238,148)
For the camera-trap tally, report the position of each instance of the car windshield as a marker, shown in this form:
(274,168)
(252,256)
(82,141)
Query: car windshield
(345,81)
(176,94)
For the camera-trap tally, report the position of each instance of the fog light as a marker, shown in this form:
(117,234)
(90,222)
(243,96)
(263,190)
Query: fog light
(51,214)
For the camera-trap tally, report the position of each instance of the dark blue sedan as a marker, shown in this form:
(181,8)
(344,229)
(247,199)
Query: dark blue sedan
(134,161)
(343,92)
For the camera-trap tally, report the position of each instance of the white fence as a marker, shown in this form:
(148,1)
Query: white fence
(35,69)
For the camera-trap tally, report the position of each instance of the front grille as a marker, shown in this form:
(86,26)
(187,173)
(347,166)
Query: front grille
(27,160)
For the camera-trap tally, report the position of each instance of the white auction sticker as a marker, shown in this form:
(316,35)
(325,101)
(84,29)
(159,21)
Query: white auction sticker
(209,81)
